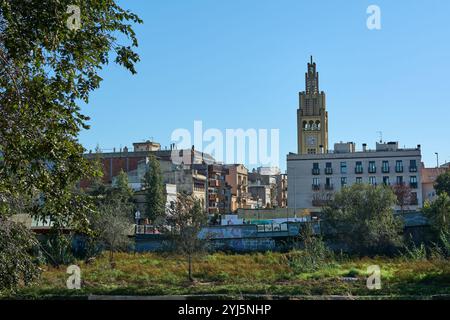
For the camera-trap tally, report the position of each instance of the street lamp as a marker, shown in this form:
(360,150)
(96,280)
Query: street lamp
(437,159)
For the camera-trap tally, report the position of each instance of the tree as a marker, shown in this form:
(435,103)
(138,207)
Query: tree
(443,183)
(121,189)
(17,265)
(362,217)
(184,225)
(438,214)
(112,225)
(403,194)
(153,186)
(46,69)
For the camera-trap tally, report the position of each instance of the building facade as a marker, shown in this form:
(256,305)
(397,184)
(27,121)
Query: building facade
(237,179)
(314,178)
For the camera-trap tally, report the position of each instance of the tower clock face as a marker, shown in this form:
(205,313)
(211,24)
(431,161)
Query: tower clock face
(311,141)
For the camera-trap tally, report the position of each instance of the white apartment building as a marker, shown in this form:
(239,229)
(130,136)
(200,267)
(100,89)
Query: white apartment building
(314,178)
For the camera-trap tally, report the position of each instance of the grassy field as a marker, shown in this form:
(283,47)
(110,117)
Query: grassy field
(237,275)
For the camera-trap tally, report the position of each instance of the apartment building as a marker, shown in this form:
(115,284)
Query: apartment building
(314,178)
(237,179)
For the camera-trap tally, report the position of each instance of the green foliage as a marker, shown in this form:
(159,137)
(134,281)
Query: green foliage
(184,223)
(362,217)
(314,255)
(438,214)
(46,69)
(112,220)
(121,189)
(442,184)
(112,226)
(58,249)
(153,185)
(17,264)
(415,252)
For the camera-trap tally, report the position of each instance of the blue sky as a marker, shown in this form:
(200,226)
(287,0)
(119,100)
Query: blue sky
(240,64)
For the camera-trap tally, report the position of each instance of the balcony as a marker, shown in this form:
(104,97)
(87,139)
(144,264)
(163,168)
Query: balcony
(316,171)
(413,185)
(320,202)
(412,169)
(359,170)
(329,186)
(328,171)
(316,187)
(399,169)
(214,183)
(386,170)
(213,197)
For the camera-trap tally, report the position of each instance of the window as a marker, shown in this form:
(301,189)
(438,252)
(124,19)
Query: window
(343,182)
(399,166)
(413,182)
(385,167)
(399,180)
(359,167)
(373,181)
(343,167)
(372,167)
(359,180)
(386,181)
(316,169)
(414,201)
(328,184)
(312,151)
(316,184)
(328,168)
(412,166)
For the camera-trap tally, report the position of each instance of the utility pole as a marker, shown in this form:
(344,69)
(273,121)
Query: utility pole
(437,159)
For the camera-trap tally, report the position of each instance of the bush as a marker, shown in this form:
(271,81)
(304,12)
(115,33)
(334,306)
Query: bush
(314,255)
(58,249)
(18,265)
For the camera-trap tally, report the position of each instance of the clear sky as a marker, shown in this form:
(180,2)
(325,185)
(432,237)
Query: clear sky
(240,64)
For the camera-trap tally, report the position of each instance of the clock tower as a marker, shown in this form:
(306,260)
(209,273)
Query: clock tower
(312,116)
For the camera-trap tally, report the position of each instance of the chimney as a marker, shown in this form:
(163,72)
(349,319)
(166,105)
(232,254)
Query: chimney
(364,147)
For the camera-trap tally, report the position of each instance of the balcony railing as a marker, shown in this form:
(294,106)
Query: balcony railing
(320,202)
(328,171)
(412,169)
(316,171)
(359,170)
(413,185)
(399,169)
(372,170)
(316,187)
(329,186)
(386,170)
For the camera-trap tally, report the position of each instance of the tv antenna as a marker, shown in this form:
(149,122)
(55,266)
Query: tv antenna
(380,134)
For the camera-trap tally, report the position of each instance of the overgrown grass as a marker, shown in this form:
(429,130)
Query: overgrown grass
(269,273)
